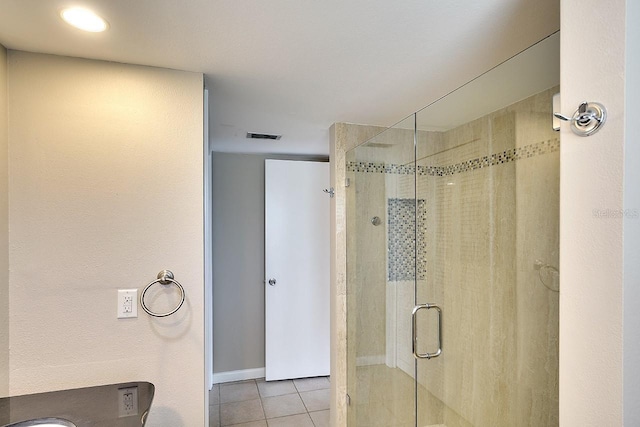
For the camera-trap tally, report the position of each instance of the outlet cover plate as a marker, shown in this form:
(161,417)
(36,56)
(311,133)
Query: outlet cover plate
(127,303)
(127,401)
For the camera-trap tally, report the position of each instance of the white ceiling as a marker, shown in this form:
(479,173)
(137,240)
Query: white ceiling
(295,67)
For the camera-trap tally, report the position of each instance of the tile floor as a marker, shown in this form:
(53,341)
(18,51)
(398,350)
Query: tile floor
(257,403)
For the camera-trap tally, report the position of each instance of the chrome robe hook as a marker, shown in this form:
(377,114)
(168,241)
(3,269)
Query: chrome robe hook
(587,120)
(330,191)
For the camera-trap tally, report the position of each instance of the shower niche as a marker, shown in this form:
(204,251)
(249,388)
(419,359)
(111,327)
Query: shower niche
(466,192)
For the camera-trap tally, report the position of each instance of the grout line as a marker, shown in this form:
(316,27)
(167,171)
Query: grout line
(305,405)
(264,413)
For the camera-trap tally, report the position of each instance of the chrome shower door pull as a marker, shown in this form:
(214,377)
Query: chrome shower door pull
(272,282)
(414,331)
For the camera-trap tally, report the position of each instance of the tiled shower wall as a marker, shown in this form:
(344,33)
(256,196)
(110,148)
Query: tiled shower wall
(487,210)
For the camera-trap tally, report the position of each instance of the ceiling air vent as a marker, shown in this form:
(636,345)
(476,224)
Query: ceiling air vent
(252,135)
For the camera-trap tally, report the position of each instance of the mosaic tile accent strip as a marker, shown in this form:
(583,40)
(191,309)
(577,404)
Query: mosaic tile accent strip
(401,239)
(507,156)
(380,168)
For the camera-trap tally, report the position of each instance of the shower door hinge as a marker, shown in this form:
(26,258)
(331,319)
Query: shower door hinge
(348,399)
(347,182)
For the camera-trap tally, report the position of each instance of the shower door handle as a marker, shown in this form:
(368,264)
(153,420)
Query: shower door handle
(414,332)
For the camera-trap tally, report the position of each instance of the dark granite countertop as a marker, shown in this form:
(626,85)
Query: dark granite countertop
(113,405)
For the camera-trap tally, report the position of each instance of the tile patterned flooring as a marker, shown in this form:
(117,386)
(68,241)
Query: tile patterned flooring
(257,403)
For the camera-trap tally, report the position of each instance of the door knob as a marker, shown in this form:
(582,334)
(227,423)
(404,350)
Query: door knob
(272,282)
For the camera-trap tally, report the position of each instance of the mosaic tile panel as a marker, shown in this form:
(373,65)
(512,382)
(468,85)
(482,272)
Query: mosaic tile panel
(511,155)
(402,218)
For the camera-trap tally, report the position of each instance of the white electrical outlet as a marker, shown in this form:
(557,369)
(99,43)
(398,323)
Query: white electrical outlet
(127,401)
(127,303)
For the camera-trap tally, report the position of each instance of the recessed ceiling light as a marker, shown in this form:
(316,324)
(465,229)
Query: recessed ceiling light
(84,19)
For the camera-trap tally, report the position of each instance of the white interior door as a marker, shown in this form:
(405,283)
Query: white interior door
(297,269)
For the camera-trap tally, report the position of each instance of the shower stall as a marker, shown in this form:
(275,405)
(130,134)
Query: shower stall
(452,257)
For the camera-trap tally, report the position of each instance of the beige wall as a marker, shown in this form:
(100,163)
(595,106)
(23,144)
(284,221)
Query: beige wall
(105,166)
(591,240)
(4,230)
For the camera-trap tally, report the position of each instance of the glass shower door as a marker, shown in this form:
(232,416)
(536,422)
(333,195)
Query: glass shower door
(488,189)
(381,279)
(452,255)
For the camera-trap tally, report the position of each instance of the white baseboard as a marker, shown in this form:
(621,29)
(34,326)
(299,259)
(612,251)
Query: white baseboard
(244,374)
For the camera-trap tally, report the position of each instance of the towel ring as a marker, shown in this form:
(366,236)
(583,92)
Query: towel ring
(165,277)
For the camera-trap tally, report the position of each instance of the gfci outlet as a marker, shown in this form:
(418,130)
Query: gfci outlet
(127,401)
(127,303)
